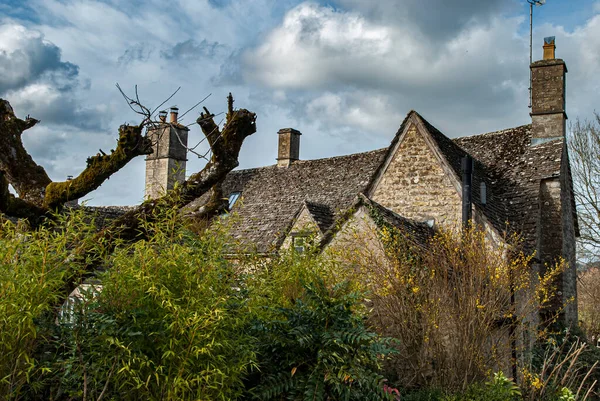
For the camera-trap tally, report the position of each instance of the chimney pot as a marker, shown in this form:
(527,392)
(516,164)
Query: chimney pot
(549,48)
(162,115)
(174,113)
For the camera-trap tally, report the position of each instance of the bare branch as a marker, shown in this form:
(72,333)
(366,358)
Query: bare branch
(194,106)
(584,152)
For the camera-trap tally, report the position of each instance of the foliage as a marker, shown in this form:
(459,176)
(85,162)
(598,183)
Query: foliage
(318,349)
(162,326)
(33,267)
(563,367)
(460,308)
(171,318)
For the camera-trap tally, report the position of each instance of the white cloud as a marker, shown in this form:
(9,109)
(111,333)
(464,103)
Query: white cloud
(344,76)
(473,80)
(26,56)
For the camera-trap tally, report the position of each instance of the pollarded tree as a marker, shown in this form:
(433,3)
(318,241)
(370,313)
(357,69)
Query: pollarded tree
(39,196)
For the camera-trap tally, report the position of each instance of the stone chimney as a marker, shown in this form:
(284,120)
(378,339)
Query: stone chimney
(166,165)
(548,115)
(289,146)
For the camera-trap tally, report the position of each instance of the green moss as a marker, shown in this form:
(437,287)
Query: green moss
(99,168)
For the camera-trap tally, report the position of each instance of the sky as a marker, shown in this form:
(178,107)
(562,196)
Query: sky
(343,72)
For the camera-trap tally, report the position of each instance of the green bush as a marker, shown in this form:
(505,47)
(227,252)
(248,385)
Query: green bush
(171,318)
(318,349)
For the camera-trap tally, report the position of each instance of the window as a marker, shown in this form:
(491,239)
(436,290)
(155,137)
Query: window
(233,197)
(483,193)
(299,243)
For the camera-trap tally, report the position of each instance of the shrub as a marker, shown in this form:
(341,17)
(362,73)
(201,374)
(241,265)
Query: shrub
(172,318)
(169,323)
(460,308)
(318,349)
(34,266)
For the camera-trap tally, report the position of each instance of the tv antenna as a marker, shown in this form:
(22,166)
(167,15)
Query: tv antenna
(531,4)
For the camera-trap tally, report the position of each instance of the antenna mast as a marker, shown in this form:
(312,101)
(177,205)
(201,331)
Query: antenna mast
(531,3)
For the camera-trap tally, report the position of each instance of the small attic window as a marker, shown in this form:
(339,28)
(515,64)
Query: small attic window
(299,242)
(233,197)
(483,193)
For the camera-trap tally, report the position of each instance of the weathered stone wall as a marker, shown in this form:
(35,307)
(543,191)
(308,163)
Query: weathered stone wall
(288,146)
(568,245)
(166,165)
(305,225)
(556,239)
(415,186)
(162,174)
(548,99)
(357,243)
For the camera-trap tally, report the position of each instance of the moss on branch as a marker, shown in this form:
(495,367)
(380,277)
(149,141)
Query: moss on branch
(99,168)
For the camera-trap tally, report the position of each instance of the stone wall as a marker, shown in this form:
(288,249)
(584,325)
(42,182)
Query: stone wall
(166,165)
(556,239)
(162,174)
(415,186)
(357,243)
(568,245)
(304,225)
(548,99)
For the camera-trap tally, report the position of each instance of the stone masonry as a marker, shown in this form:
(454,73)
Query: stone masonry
(415,186)
(166,165)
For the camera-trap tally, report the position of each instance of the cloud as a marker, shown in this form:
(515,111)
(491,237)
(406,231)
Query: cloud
(138,52)
(363,64)
(437,19)
(25,57)
(474,79)
(192,50)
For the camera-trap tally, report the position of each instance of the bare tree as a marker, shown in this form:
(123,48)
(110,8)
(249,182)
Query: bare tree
(38,195)
(584,151)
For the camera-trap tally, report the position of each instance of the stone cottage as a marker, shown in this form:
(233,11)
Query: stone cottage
(515,179)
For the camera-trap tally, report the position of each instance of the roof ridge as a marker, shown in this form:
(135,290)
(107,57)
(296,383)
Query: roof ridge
(490,133)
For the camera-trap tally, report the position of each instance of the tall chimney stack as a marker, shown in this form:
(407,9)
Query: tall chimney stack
(166,165)
(548,113)
(289,146)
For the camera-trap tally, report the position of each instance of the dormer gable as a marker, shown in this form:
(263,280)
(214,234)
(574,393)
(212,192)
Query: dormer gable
(417,179)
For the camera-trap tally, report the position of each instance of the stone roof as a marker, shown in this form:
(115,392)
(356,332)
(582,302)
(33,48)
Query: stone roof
(512,170)
(272,196)
(321,213)
(504,160)
(417,232)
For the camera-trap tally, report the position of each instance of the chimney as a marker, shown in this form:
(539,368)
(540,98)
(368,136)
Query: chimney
(548,112)
(166,165)
(174,113)
(549,48)
(289,146)
(467,190)
(162,116)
